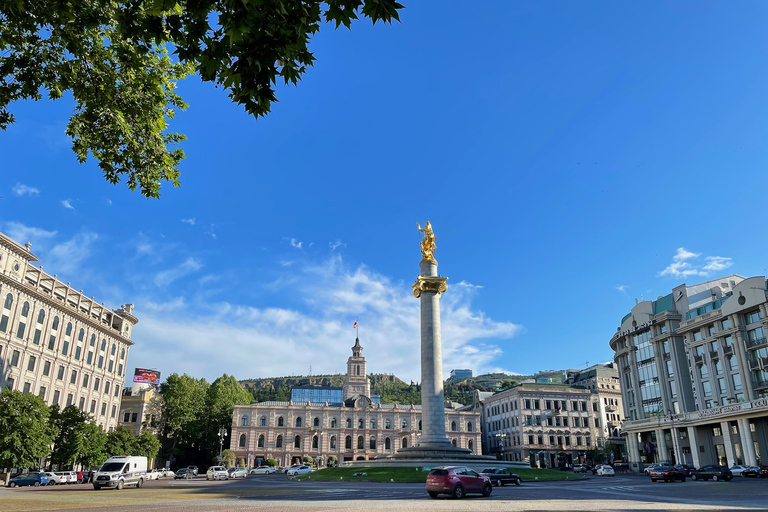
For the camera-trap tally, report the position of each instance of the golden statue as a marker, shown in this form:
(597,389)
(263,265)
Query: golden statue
(428,244)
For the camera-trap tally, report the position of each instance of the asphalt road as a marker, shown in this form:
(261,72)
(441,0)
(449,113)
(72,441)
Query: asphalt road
(277,493)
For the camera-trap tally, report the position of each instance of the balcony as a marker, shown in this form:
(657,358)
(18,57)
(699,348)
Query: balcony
(610,408)
(698,359)
(754,364)
(757,342)
(714,355)
(759,384)
(728,350)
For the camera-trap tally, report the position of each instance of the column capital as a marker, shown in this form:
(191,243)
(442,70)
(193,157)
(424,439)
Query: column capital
(429,284)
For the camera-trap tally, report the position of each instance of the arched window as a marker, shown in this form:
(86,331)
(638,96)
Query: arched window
(8,301)
(103,345)
(93,339)
(279,442)
(316,422)
(348,442)
(349,422)
(387,444)
(373,424)
(333,442)
(387,424)
(419,424)
(372,444)
(297,442)
(405,425)
(333,422)
(263,421)
(242,441)
(453,426)
(405,442)
(280,422)
(361,423)
(55,323)
(298,421)
(244,421)
(23,321)
(470,445)
(470,427)
(41,316)
(261,441)
(358,369)
(81,334)
(68,332)
(314,442)
(360,443)
(453,442)
(25,309)
(114,349)
(122,353)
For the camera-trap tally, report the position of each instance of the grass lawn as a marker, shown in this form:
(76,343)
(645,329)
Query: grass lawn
(406,474)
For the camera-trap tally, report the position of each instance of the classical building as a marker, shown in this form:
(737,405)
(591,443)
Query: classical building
(355,428)
(603,381)
(694,372)
(57,342)
(549,425)
(140,409)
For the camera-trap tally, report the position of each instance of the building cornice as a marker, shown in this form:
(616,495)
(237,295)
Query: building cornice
(17,249)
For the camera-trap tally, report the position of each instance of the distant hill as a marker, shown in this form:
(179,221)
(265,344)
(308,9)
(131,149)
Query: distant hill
(391,389)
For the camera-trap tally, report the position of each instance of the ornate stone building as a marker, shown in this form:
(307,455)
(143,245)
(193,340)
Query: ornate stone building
(354,429)
(57,342)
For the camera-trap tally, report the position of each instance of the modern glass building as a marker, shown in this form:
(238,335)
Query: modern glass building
(317,394)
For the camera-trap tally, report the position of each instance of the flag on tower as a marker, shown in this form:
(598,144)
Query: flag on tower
(355,326)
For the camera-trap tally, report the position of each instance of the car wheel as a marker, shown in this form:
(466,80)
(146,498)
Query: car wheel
(12,484)
(96,487)
(487,490)
(139,483)
(653,480)
(715,478)
(119,485)
(694,477)
(433,494)
(682,479)
(518,481)
(36,484)
(743,475)
(458,492)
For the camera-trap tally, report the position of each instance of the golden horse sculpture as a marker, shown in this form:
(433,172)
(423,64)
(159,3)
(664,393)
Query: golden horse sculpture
(428,244)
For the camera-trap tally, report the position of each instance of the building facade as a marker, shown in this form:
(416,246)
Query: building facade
(694,373)
(57,342)
(549,425)
(354,429)
(140,409)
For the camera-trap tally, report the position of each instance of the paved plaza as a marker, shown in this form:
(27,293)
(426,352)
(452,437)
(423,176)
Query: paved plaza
(278,493)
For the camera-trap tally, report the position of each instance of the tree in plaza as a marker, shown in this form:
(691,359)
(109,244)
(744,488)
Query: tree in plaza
(270,462)
(220,399)
(93,451)
(184,413)
(227,458)
(121,441)
(111,58)
(25,433)
(70,425)
(147,445)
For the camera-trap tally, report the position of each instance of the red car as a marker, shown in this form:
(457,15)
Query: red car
(457,481)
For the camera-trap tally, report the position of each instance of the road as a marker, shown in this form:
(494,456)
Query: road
(277,493)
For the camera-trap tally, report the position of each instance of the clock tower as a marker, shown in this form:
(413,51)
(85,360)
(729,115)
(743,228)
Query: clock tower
(356,381)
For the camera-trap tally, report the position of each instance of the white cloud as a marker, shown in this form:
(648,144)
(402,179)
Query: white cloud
(295,243)
(287,341)
(66,257)
(109,201)
(24,190)
(190,221)
(336,244)
(22,234)
(67,204)
(210,232)
(166,277)
(622,288)
(681,267)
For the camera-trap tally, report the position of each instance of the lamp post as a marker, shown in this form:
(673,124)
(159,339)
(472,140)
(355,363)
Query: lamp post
(222,433)
(500,436)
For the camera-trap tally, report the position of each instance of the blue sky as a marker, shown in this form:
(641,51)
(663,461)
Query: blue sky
(566,153)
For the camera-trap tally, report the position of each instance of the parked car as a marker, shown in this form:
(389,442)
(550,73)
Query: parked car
(193,470)
(290,468)
(714,472)
(300,470)
(154,474)
(580,468)
(685,468)
(217,473)
(36,478)
(667,474)
(736,469)
(605,470)
(237,472)
(457,481)
(263,470)
(184,474)
(57,477)
(756,471)
(649,467)
(500,476)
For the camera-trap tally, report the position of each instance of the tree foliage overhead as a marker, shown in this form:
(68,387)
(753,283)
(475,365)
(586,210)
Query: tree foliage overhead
(112,56)
(25,433)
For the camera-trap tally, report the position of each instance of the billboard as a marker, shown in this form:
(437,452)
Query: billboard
(145,375)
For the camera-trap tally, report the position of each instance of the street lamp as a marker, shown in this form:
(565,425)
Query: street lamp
(222,433)
(500,436)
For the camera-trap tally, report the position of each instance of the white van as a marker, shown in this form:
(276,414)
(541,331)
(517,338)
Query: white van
(122,470)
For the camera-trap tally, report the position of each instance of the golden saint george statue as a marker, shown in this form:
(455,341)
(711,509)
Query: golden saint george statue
(428,244)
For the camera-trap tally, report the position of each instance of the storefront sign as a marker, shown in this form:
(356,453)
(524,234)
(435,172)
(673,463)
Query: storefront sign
(762,402)
(639,327)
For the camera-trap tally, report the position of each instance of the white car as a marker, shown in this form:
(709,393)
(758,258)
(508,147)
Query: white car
(299,470)
(154,474)
(605,470)
(263,470)
(736,469)
(217,473)
(54,478)
(168,472)
(64,477)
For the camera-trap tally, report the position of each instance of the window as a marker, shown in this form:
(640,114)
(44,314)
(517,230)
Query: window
(453,426)
(103,408)
(316,422)
(31,363)
(718,367)
(373,424)
(126,417)
(46,368)
(470,428)
(530,439)
(673,388)
(120,369)
(670,369)
(109,368)
(704,371)
(697,336)
(733,364)
(360,443)
(114,410)
(527,403)
(279,442)
(536,404)
(349,422)
(707,388)
(117,390)
(23,321)
(348,442)
(56,396)
(314,442)
(721,384)
(736,381)
(27,387)
(103,345)
(244,421)
(372,443)
(42,392)
(298,423)
(263,421)
(360,423)
(96,384)
(662,328)
(387,444)
(114,349)
(134,416)
(404,443)
(73,377)
(280,422)
(753,317)
(726,324)
(122,354)
(69,399)
(548,404)
(333,442)
(711,330)
(297,442)
(716,431)
(333,422)
(82,403)
(101,362)
(260,443)
(6,312)
(89,360)
(241,442)
(60,376)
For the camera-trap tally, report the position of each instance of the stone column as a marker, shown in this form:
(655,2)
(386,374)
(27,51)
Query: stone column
(747,444)
(728,442)
(428,288)
(676,446)
(633,451)
(693,439)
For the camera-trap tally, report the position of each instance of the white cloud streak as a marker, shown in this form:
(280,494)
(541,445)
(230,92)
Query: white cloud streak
(166,277)
(683,265)
(190,221)
(294,243)
(67,204)
(25,190)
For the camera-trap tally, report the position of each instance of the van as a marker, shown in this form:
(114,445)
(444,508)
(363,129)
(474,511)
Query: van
(122,470)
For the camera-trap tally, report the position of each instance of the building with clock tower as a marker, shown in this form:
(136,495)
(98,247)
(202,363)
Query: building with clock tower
(356,381)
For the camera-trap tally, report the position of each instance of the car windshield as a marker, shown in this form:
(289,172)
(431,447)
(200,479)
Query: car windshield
(489,470)
(113,466)
(182,470)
